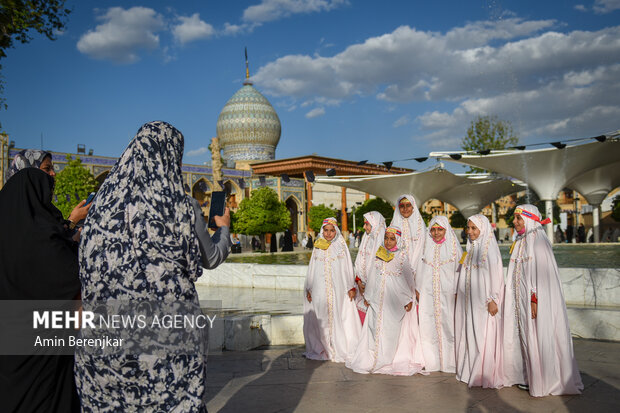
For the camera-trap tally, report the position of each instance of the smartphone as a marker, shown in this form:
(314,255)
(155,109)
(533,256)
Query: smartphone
(90,198)
(218,205)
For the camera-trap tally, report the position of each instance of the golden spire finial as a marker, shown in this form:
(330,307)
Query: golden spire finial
(247,65)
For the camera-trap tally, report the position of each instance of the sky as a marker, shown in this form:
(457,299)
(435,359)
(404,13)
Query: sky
(349,79)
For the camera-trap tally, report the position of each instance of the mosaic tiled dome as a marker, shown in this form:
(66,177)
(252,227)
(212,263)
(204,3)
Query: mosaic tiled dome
(248,127)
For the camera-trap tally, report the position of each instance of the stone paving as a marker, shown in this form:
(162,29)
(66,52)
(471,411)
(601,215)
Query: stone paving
(280,379)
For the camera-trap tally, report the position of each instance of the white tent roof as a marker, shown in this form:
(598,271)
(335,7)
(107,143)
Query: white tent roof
(474,195)
(597,183)
(468,192)
(546,171)
(422,185)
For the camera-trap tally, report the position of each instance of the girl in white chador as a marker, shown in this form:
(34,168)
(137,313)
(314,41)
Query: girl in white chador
(435,282)
(374,225)
(390,332)
(538,348)
(331,323)
(478,320)
(408,218)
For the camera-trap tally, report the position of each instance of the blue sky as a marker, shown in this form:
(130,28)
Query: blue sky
(349,79)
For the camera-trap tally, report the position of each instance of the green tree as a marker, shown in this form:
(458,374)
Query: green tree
(73,179)
(374,204)
(488,132)
(260,214)
(615,209)
(457,220)
(19,17)
(317,214)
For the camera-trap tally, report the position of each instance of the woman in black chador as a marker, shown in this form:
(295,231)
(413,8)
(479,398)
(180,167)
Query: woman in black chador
(38,261)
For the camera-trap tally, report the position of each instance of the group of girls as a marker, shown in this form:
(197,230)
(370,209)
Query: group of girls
(416,303)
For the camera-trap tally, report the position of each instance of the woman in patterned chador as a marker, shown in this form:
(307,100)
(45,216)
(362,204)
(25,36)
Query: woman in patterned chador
(331,323)
(435,283)
(144,242)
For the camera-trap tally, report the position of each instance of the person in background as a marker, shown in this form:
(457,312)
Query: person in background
(287,243)
(273,245)
(310,243)
(331,323)
(581,233)
(538,347)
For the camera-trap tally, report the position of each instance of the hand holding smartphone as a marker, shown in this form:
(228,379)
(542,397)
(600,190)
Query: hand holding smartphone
(218,205)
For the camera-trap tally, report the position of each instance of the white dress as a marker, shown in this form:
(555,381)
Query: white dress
(435,280)
(479,334)
(389,342)
(538,352)
(331,323)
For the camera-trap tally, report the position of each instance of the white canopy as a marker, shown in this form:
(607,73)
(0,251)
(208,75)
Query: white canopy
(546,171)
(594,185)
(467,192)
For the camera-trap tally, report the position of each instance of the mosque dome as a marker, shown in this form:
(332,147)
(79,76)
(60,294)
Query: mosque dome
(248,127)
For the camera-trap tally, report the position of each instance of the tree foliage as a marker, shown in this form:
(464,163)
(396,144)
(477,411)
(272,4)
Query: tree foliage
(19,17)
(262,213)
(317,214)
(457,220)
(488,132)
(73,179)
(374,204)
(615,209)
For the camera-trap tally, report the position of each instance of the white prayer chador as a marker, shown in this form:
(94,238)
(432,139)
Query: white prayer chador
(367,250)
(331,323)
(390,334)
(538,352)
(413,230)
(478,334)
(435,280)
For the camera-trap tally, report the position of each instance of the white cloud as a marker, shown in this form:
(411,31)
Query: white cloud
(606,6)
(520,70)
(581,7)
(197,152)
(270,10)
(316,112)
(402,121)
(123,34)
(191,29)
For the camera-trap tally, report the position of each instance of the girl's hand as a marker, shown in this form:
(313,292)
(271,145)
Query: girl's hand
(492,308)
(409,306)
(308,297)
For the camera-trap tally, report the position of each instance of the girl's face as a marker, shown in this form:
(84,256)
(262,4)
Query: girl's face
(367,227)
(438,233)
(47,166)
(389,241)
(473,232)
(329,232)
(405,208)
(519,223)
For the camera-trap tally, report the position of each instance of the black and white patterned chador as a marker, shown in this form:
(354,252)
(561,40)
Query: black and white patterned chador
(139,243)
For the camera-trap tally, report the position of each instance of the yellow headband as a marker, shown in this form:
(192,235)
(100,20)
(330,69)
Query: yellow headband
(393,231)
